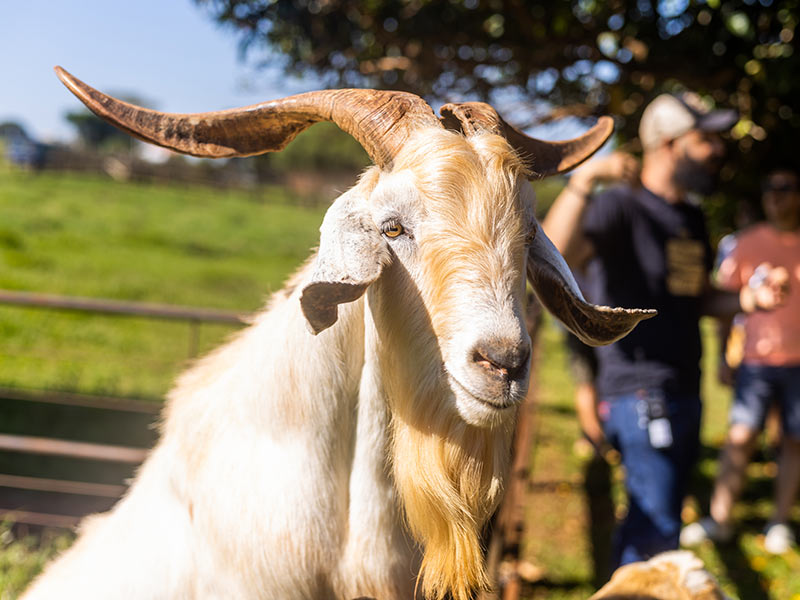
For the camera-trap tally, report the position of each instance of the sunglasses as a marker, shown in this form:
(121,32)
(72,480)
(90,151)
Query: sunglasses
(780,188)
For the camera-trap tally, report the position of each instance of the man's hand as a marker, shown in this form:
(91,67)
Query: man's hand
(767,289)
(618,166)
(563,221)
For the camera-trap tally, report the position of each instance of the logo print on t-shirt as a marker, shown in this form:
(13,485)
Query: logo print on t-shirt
(686,273)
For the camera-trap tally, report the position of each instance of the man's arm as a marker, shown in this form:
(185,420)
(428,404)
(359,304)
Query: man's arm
(563,221)
(725,373)
(721,303)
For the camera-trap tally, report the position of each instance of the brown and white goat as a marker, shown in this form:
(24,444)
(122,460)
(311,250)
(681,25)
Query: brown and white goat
(673,575)
(355,438)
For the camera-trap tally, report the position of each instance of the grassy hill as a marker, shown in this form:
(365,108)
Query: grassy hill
(85,236)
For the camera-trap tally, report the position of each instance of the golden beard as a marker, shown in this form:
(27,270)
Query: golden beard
(449,476)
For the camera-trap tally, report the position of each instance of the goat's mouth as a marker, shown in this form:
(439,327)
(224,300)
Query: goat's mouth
(508,399)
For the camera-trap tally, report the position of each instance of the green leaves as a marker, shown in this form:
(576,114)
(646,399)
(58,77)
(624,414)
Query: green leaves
(546,54)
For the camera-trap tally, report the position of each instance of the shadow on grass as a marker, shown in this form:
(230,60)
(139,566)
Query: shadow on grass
(542,587)
(600,516)
(744,578)
(738,571)
(600,513)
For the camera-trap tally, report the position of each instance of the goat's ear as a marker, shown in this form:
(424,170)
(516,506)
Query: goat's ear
(556,289)
(352,254)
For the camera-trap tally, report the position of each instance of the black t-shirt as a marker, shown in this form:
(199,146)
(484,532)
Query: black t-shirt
(651,254)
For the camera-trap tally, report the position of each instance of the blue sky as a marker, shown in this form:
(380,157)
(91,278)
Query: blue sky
(166,51)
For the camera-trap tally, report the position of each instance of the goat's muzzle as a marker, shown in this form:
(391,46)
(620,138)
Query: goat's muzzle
(491,378)
(503,360)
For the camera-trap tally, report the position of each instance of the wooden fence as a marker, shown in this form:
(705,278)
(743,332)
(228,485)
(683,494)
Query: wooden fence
(65,455)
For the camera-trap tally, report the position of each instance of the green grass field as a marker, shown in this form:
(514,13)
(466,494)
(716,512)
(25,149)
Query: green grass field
(86,236)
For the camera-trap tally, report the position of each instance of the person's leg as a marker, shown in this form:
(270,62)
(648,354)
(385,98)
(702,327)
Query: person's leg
(754,393)
(788,481)
(655,479)
(779,537)
(730,479)
(773,430)
(619,419)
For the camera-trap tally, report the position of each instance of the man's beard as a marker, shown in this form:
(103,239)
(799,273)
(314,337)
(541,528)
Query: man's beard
(695,176)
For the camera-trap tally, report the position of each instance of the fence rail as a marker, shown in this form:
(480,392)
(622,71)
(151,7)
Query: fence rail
(40,445)
(32,487)
(121,307)
(81,400)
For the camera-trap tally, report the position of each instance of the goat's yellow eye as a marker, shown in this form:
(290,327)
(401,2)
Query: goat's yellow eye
(393,230)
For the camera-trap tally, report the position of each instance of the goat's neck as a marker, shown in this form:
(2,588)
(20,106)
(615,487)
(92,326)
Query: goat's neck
(378,543)
(276,382)
(275,376)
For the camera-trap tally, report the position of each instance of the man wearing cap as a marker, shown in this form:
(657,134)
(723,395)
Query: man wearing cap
(652,251)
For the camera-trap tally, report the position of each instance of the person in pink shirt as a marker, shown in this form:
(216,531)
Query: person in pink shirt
(770,368)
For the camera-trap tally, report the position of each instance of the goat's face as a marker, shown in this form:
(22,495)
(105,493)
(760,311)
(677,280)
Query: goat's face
(456,215)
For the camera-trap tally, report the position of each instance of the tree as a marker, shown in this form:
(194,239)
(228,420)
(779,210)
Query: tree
(322,148)
(577,57)
(97,134)
(11,129)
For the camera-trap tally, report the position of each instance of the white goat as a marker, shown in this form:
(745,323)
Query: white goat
(293,465)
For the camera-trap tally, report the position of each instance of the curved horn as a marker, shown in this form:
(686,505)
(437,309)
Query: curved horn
(381,121)
(556,289)
(542,158)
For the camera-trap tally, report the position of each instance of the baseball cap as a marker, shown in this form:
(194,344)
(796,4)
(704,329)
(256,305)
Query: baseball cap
(669,116)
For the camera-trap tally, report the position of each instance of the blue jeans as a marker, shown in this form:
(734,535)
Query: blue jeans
(655,478)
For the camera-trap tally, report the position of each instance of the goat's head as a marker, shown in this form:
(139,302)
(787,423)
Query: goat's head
(443,231)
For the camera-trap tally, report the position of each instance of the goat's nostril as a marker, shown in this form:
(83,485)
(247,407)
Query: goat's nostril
(488,364)
(504,360)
